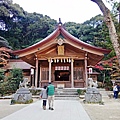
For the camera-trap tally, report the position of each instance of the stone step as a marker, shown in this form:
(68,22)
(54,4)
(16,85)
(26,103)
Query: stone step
(66,90)
(66,94)
(66,98)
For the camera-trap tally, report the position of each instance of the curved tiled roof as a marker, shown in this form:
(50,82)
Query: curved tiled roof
(61,30)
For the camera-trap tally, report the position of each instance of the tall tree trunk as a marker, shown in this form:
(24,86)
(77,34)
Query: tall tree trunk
(112,31)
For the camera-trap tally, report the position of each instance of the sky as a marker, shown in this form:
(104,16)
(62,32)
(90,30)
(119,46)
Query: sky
(68,10)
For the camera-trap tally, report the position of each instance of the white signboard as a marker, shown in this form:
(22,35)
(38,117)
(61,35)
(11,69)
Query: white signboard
(90,71)
(32,71)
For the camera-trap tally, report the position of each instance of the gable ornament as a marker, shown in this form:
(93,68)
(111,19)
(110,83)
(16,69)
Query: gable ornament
(60,41)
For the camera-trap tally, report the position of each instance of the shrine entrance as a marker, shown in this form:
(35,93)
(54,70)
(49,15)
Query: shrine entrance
(62,73)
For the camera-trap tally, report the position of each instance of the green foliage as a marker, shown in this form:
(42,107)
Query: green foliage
(3,85)
(4,42)
(14,79)
(2,76)
(35,91)
(12,83)
(17,102)
(20,28)
(4,88)
(108,84)
(81,92)
(93,31)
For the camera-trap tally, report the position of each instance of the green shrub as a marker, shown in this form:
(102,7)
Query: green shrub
(2,76)
(81,92)
(17,102)
(12,82)
(16,75)
(4,88)
(35,91)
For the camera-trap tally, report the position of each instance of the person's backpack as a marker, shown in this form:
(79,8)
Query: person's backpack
(115,88)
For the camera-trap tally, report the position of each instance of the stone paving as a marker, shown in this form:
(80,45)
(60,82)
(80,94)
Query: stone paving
(64,110)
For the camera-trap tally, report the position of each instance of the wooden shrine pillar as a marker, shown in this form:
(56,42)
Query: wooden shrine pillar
(50,61)
(72,79)
(40,77)
(36,73)
(86,76)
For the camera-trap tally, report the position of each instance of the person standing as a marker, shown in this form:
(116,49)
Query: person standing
(44,96)
(50,92)
(115,91)
(118,87)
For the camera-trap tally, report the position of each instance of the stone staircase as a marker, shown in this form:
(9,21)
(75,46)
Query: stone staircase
(66,94)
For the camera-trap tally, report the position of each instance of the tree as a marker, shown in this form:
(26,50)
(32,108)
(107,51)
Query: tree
(12,82)
(110,24)
(93,31)
(21,28)
(2,76)
(4,43)
(4,88)
(3,84)
(16,75)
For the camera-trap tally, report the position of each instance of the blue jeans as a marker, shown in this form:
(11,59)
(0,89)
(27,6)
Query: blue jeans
(44,102)
(115,94)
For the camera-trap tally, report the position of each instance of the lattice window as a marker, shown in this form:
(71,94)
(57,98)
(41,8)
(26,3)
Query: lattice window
(61,67)
(45,74)
(78,73)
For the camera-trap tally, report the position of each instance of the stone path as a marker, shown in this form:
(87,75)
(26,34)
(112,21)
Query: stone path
(64,110)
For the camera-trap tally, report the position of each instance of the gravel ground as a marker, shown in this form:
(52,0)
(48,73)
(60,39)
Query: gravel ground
(7,109)
(110,110)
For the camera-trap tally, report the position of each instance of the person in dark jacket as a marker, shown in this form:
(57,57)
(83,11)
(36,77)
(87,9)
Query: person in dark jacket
(44,96)
(50,92)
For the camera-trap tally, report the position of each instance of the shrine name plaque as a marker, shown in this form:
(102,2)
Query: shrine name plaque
(61,50)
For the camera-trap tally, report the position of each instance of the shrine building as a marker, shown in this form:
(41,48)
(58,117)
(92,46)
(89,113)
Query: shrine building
(61,59)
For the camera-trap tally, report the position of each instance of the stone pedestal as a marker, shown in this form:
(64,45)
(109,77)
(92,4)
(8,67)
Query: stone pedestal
(92,95)
(22,95)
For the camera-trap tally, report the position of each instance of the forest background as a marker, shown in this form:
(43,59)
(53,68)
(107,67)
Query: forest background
(20,29)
